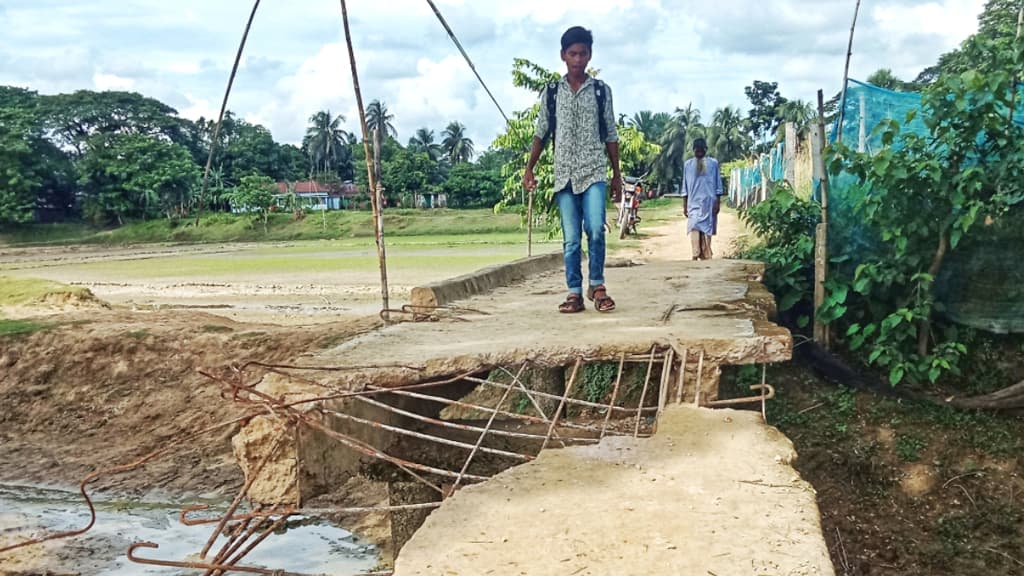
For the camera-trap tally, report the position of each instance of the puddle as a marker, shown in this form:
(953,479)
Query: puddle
(308,545)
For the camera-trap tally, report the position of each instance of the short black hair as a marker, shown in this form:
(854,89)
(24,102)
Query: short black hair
(700,144)
(577,35)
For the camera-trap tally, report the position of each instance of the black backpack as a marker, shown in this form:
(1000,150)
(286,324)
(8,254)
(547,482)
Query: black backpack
(600,91)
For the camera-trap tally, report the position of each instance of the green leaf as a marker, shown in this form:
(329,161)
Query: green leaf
(896,375)
(934,374)
(803,321)
(788,301)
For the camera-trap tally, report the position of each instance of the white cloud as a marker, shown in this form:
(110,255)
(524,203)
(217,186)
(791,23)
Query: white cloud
(656,54)
(101,81)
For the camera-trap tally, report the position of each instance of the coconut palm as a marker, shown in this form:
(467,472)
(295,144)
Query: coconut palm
(456,145)
(682,129)
(326,142)
(798,112)
(378,118)
(423,142)
(651,124)
(729,136)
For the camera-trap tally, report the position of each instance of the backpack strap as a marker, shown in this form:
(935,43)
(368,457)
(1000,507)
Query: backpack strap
(601,93)
(551,101)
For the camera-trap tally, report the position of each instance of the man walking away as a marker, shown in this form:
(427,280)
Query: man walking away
(702,194)
(577,112)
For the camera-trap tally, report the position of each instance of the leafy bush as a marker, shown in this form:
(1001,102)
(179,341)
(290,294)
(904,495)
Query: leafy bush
(785,224)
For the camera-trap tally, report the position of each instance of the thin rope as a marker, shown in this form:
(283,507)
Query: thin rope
(223,107)
(451,34)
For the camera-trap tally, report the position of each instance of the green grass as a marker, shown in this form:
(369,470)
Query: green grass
(15,291)
(10,328)
(219,227)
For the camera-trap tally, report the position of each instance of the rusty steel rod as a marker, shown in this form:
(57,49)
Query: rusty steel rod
(318,512)
(241,494)
(748,399)
(201,565)
(533,419)
(352,443)
(561,405)
(533,401)
(700,378)
(453,425)
(643,394)
(259,539)
(117,470)
(682,377)
(480,439)
(615,394)
(240,536)
(428,437)
(572,401)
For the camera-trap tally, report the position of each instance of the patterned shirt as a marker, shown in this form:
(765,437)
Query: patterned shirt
(580,156)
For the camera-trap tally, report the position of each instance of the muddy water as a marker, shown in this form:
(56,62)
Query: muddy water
(307,546)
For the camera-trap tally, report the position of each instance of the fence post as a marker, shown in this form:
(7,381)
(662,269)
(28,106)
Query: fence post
(791,142)
(821,331)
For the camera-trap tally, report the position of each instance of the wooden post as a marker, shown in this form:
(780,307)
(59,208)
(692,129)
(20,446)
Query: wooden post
(378,218)
(529,223)
(791,142)
(821,331)
(862,133)
(220,116)
(846,74)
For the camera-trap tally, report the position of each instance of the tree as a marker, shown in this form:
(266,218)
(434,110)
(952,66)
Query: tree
(800,113)
(928,193)
(730,140)
(652,125)
(682,130)
(472,186)
(424,142)
(135,176)
(74,118)
(255,194)
(990,49)
(456,145)
(763,115)
(33,172)
(326,143)
(378,118)
(884,78)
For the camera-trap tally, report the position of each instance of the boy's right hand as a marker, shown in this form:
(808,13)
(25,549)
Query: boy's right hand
(529,181)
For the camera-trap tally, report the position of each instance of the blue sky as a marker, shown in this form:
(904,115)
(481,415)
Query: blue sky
(656,54)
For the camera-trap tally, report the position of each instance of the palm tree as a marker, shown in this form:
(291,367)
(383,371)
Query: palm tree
(798,112)
(682,129)
(378,118)
(652,125)
(325,143)
(456,145)
(730,139)
(423,142)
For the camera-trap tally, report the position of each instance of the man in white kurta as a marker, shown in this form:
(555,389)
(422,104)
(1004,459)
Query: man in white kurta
(702,194)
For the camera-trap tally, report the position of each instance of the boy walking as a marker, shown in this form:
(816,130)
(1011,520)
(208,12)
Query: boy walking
(583,128)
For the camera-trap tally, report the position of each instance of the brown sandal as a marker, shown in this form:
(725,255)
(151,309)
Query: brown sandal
(573,304)
(602,301)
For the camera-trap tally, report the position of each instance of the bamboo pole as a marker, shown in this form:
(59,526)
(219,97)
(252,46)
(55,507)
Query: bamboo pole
(846,74)
(378,219)
(220,117)
(821,331)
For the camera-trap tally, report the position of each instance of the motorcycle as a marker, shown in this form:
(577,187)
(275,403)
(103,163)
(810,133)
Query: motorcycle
(629,206)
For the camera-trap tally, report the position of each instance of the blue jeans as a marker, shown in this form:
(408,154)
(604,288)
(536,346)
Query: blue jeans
(583,212)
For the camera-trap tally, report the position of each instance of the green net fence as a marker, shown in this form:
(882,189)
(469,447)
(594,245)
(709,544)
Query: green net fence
(746,184)
(982,282)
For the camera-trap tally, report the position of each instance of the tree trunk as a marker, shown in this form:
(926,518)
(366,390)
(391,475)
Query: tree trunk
(924,324)
(1011,398)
